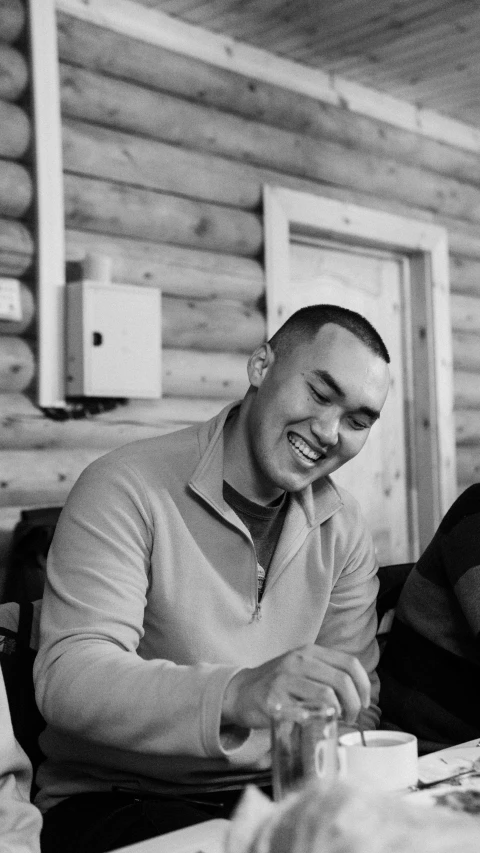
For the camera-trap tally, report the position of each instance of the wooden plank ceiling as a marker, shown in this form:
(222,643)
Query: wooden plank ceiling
(426,52)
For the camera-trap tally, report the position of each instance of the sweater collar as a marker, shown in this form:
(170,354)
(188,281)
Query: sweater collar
(317,503)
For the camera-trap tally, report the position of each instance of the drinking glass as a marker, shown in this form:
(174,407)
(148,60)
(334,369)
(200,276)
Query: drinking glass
(304,745)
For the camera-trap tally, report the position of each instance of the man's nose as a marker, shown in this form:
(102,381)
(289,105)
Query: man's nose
(325,430)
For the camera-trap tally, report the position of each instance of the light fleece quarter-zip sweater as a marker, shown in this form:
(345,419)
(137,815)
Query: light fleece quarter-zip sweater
(151,607)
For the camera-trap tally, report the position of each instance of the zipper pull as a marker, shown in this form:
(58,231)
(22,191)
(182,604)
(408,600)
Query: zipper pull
(257,613)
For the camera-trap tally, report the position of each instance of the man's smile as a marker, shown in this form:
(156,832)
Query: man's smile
(303,450)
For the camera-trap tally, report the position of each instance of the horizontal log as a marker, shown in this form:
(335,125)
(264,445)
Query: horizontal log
(40,477)
(18,327)
(465,312)
(87,45)
(463,236)
(464,275)
(16,247)
(144,265)
(461,241)
(15,135)
(125,106)
(100,152)
(466,387)
(111,208)
(15,189)
(466,350)
(223,325)
(128,159)
(13,73)
(468,465)
(187,373)
(177,270)
(24,427)
(17,364)
(467,426)
(12,19)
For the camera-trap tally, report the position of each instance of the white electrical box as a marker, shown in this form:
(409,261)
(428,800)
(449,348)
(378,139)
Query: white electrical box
(113,340)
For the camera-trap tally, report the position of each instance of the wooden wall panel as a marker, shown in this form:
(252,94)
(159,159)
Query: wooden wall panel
(177,270)
(17,358)
(165,158)
(40,477)
(12,19)
(15,189)
(86,45)
(24,427)
(214,324)
(13,72)
(132,108)
(16,247)
(124,157)
(119,96)
(17,364)
(128,211)
(267,134)
(15,135)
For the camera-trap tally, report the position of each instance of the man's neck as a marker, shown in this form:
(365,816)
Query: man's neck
(238,469)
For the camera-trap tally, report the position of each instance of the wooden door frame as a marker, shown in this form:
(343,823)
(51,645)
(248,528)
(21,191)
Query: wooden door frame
(432,432)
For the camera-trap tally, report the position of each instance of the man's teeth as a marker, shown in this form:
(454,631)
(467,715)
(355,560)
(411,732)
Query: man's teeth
(303,448)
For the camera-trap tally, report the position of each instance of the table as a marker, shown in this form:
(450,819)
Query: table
(438,766)
(208,837)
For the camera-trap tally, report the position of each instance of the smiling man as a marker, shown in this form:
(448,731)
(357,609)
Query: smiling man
(195,578)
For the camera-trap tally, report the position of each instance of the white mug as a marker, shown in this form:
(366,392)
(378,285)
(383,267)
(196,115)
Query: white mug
(389,760)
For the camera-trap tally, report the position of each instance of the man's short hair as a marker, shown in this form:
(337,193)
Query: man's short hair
(305,323)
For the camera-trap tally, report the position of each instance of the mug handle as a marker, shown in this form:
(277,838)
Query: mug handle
(342,761)
(320,765)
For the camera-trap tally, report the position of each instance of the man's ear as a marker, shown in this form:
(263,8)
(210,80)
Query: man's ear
(259,363)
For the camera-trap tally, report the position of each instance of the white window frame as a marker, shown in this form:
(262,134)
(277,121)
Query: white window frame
(49,203)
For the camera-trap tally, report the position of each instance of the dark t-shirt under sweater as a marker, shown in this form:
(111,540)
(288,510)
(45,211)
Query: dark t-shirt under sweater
(264,524)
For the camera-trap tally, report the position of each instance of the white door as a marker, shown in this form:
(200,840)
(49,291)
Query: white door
(395,271)
(373,284)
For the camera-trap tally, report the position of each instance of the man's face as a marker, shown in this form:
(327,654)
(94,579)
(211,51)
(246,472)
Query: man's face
(313,408)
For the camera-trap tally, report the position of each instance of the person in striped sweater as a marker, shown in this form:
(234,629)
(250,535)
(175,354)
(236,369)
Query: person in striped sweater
(430,669)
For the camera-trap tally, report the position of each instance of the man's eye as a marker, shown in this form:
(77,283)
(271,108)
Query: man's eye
(318,396)
(359,424)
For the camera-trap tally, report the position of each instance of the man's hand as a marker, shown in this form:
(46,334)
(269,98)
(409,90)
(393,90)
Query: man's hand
(310,673)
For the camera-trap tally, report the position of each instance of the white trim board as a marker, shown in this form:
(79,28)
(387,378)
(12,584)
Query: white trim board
(155,27)
(49,202)
(287,212)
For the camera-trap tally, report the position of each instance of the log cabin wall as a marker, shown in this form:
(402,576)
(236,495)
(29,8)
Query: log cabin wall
(17,361)
(164,159)
(163,148)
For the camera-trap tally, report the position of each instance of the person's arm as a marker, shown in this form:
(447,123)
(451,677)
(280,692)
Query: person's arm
(89,680)
(340,667)
(20,820)
(460,554)
(350,623)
